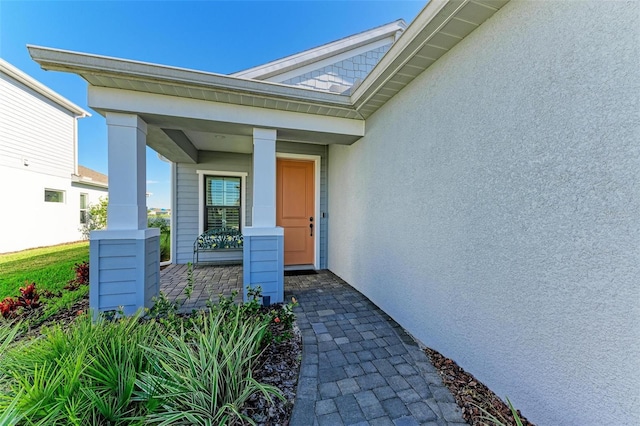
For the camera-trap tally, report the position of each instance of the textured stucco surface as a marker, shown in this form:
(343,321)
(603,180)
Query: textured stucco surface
(493,209)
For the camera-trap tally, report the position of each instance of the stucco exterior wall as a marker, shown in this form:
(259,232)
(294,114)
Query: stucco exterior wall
(27,221)
(493,209)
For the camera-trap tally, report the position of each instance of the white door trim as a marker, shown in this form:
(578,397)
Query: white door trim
(316,218)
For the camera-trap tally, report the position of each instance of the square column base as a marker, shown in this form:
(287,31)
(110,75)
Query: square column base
(263,261)
(124,270)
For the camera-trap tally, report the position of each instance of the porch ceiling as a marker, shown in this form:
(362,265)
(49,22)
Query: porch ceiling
(181,139)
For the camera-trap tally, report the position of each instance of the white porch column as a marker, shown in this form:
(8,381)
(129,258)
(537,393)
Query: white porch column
(263,251)
(264,178)
(127,136)
(125,258)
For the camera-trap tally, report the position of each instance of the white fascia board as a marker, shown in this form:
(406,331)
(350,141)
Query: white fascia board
(83,63)
(400,47)
(88,182)
(316,54)
(129,101)
(35,85)
(330,60)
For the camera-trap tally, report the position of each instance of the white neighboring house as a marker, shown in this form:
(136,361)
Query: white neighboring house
(44,192)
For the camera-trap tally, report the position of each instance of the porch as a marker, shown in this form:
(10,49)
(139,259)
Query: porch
(211,281)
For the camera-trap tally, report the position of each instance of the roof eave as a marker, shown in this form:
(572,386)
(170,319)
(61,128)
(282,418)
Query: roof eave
(40,88)
(452,20)
(89,182)
(82,63)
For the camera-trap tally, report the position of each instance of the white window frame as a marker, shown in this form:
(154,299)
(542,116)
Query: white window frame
(201,198)
(63,192)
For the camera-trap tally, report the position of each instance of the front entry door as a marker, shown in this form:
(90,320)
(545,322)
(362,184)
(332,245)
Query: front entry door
(295,210)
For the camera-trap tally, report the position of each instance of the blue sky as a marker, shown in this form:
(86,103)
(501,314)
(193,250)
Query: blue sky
(219,37)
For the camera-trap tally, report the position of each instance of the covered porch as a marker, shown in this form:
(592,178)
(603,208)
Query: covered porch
(211,281)
(208,126)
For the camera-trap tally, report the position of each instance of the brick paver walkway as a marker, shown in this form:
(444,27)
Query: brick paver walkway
(359,367)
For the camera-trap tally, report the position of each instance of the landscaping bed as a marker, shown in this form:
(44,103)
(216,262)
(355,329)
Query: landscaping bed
(162,367)
(477,401)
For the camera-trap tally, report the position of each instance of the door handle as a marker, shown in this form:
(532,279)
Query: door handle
(311,229)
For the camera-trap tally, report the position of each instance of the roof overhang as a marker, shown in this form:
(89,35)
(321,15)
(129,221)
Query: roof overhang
(88,182)
(103,71)
(440,26)
(437,29)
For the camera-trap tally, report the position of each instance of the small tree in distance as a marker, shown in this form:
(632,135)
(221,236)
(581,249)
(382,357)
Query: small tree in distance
(96,217)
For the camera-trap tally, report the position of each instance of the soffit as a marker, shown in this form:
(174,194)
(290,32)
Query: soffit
(438,28)
(102,71)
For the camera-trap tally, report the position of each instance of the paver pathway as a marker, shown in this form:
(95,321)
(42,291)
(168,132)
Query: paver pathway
(359,366)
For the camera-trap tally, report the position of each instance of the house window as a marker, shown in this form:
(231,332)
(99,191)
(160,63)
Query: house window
(83,207)
(53,196)
(222,202)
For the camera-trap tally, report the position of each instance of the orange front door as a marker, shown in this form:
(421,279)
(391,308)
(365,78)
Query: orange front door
(295,210)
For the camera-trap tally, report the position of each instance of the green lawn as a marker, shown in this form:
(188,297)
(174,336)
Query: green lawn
(50,268)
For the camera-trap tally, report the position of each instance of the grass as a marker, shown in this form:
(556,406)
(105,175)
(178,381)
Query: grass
(50,268)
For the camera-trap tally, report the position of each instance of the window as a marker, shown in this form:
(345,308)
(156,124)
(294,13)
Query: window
(53,196)
(222,202)
(83,207)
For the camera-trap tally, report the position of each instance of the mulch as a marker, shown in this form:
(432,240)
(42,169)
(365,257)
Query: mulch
(472,395)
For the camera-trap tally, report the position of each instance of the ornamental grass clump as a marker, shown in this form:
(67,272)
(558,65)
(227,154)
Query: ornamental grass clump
(202,375)
(8,406)
(82,375)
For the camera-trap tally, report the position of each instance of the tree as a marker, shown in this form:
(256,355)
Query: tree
(96,217)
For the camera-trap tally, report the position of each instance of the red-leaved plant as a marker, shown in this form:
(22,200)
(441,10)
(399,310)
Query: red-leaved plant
(29,297)
(82,276)
(8,307)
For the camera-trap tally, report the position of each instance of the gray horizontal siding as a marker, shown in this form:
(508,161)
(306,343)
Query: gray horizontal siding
(187,197)
(188,202)
(116,282)
(264,257)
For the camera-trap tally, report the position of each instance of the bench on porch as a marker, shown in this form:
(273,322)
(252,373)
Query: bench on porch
(215,240)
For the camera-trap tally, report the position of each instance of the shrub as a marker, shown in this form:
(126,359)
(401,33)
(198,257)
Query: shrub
(81,276)
(8,307)
(162,223)
(96,217)
(83,375)
(203,375)
(28,300)
(9,414)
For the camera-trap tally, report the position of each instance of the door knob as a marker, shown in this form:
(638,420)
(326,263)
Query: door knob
(311,229)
